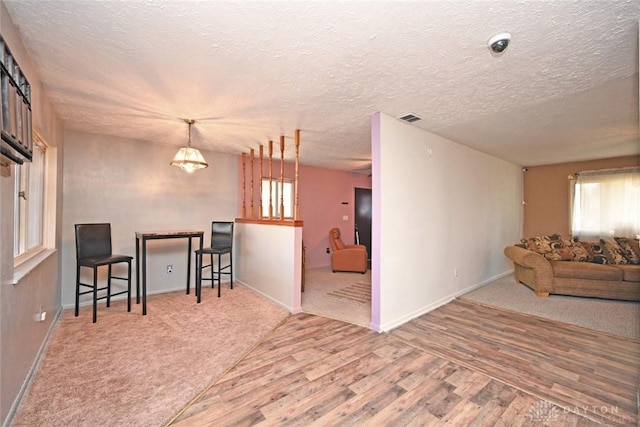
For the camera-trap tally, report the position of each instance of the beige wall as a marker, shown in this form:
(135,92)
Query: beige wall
(269,261)
(438,207)
(546,193)
(21,336)
(131,185)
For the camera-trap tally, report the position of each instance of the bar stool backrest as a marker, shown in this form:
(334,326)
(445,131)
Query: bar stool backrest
(221,234)
(93,240)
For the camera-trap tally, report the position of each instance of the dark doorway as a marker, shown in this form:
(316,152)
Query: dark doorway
(363,207)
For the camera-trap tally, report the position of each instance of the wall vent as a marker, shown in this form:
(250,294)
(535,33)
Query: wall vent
(410,118)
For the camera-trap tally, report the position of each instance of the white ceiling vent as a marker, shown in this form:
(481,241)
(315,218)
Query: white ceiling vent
(410,118)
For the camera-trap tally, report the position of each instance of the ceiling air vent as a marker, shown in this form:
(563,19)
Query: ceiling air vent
(410,118)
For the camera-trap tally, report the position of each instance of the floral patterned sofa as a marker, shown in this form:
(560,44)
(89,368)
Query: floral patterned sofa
(607,268)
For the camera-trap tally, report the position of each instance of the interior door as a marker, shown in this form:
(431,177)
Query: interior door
(362,216)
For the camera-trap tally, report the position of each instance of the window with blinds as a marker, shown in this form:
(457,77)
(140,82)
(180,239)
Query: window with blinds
(15,106)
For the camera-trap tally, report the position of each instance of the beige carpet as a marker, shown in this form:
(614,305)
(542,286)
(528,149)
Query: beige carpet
(615,317)
(121,372)
(358,293)
(320,282)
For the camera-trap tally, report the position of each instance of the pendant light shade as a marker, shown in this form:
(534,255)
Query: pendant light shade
(189,159)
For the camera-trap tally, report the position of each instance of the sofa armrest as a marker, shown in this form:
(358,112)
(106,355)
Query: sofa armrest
(531,268)
(527,258)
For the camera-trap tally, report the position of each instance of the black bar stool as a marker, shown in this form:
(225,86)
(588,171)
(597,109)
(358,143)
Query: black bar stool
(93,250)
(221,244)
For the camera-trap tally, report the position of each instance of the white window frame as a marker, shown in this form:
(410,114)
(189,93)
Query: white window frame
(288,190)
(34,208)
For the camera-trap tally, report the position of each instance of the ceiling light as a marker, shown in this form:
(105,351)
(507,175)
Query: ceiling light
(189,159)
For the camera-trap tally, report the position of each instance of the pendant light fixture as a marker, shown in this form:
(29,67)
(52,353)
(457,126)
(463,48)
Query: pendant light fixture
(189,159)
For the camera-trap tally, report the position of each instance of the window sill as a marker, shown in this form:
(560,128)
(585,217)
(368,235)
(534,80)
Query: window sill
(25,267)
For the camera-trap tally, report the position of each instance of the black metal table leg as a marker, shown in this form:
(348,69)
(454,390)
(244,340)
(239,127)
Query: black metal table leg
(144,276)
(189,265)
(137,270)
(199,276)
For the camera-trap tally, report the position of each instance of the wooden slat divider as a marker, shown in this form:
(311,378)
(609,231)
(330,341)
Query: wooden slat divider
(244,186)
(251,156)
(281,177)
(270,179)
(296,209)
(260,212)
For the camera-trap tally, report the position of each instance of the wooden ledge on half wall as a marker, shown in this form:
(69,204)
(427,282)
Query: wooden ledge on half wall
(285,222)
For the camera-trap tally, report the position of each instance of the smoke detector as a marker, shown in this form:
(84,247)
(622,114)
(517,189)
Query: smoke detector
(499,42)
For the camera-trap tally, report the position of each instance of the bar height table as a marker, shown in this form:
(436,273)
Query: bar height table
(156,235)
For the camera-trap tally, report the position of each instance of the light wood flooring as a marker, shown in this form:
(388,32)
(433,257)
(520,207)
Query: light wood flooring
(461,364)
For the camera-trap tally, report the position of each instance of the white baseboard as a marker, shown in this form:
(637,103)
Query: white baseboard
(423,310)
(416,313)
(484,282)
(262,294)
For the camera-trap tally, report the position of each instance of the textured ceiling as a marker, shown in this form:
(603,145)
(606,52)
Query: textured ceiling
(566,89)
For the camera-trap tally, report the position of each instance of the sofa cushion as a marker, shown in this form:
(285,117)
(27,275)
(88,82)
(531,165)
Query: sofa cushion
(630,249)
(551,247)
(596,253)
(578,251)
(631,273)
(586,270)
(614,253)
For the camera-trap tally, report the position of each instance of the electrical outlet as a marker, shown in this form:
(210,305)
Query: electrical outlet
(169,269)
(40,316)
(328,251)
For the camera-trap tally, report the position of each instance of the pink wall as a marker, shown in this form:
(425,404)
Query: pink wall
(321,194)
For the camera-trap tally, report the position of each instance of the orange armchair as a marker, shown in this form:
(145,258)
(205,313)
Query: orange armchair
(346,257)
